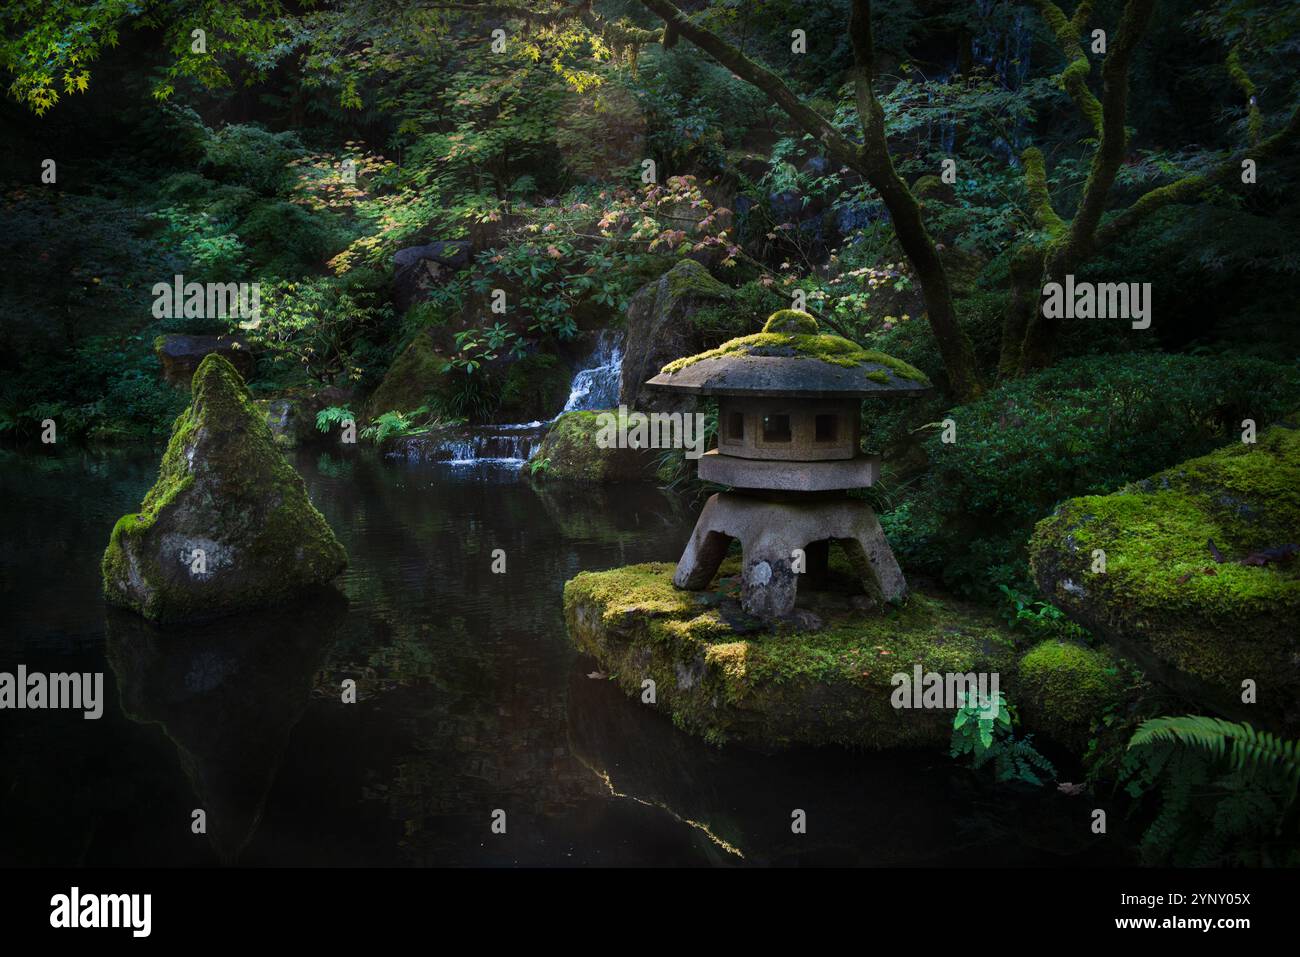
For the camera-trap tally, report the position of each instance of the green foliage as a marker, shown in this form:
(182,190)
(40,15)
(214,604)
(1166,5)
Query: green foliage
(1226,792)
(321,326)
(1084,427)
(334,415)
(389,425)
(1040,619)
(983,733)
(251,157)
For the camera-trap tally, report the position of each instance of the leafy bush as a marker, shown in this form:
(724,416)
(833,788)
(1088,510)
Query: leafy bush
(252,157)
(322,326)
(983,732)
(286,239)
(1084,427)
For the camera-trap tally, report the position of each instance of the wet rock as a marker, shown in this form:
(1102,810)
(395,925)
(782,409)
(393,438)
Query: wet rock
(801,686)
(415,375)
(659,329)
(180,355)
(1200,625)
(572,452)
(228,524)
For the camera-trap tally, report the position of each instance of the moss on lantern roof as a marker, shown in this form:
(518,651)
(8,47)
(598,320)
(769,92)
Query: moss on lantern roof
(790,332)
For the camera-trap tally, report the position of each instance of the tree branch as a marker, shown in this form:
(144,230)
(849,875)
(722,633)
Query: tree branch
(1114,136)
(845,151)
(1189,186)
(1075,76)
(1039,197)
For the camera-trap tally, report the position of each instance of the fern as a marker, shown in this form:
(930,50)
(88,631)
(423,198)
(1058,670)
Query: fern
(1226,791)
(986,735)
(334,415)
(1257,752)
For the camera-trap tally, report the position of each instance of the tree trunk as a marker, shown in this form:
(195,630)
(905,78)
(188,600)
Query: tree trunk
(872,160)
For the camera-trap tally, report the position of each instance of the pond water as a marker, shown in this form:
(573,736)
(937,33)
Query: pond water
(471,699)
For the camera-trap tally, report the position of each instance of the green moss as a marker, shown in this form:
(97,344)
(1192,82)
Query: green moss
(534,388)
(835,350)
(222,482)
(1063,688)
(927,184)
(415,375)
(795,687)
(689,278)
(1040,199)
(573,450)
(1164,594)
(791,321)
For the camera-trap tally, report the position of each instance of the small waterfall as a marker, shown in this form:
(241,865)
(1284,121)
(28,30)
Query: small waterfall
(596,386)
(508,445)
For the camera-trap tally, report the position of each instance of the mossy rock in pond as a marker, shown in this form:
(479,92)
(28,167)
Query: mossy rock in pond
(1064,687)
(661,325)
(224,490)
(778,690)
(571,452)
(1201,618)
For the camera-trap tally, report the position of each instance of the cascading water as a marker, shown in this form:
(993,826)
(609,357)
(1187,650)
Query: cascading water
(594,386)
(1005,47)
(597,385)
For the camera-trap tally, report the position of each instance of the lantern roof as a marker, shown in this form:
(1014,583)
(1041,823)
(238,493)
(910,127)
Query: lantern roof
(791,358)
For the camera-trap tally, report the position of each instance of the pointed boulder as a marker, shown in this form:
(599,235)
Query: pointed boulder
(228,524)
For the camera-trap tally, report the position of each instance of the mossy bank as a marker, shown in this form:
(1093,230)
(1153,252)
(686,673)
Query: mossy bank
(228,524)
(1201,582)
(774,690)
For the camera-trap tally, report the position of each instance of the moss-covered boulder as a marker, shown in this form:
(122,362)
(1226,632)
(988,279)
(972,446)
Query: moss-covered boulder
(534,387)
(719,678)
(1064,687)
(228,524)
(1201,584)
(415,376)
(660,328)
(571,452)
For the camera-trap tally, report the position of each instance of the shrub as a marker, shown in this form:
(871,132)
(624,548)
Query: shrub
(1084,427)
(1064,687)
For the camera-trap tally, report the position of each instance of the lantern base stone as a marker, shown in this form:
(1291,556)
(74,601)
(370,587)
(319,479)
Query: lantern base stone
(780,540)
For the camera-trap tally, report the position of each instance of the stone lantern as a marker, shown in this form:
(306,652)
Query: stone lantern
(788,429)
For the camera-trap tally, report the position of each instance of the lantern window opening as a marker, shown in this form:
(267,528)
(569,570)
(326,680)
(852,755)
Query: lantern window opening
(776,429)
(736,427)
(826,427)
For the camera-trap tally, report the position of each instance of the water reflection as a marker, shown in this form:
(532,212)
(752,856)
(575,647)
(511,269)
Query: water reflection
(471,699)
(227,694)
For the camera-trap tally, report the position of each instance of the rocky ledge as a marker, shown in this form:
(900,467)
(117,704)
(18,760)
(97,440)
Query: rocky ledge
(825,680)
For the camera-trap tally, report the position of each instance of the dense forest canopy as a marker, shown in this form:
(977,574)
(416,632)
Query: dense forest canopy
(970,152)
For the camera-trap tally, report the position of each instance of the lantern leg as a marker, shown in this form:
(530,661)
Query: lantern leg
(704,552)
(768,582)
(872,559)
